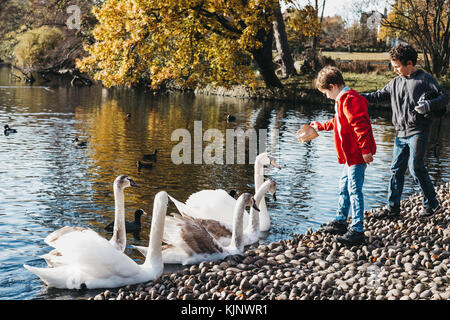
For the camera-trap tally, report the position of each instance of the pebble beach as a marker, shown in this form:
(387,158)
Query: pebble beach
(404,258)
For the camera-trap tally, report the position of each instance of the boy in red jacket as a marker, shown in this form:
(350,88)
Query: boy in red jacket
(355,146)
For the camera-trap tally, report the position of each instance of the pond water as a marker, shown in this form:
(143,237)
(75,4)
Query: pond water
(47,183)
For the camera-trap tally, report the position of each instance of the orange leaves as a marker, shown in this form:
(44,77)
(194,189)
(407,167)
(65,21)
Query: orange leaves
(304,21)
(191,42)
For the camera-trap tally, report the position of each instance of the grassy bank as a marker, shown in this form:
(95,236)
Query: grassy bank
(301,88)
(366,82)
(365,56)
(361,82)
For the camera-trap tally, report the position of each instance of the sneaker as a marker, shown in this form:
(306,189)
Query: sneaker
(386,212)
(429,212)
(352,237)
(336,227)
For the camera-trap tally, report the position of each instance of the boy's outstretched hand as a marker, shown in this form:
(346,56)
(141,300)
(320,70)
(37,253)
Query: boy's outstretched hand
(368,157)
(315,125)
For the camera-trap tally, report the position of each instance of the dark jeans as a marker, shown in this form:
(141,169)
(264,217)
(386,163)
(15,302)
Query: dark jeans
(410,152)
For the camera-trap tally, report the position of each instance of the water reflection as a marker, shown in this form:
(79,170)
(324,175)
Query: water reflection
(47,183)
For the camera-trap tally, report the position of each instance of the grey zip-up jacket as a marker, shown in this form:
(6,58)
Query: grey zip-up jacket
(404,93)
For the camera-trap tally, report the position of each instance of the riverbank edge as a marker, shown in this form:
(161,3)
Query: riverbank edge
(404,258)
(298,95)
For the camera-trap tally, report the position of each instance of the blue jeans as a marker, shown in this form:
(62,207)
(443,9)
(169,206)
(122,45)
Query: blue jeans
(351,195)
(410,152)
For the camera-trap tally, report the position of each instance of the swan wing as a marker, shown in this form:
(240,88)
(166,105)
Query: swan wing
(220,231)
(62,277)
(93,255)
(185,233)
(183,208)
(171,254)
(54,258)
(212,204)
(53,237)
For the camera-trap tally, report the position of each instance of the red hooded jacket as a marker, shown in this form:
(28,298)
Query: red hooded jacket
(355,137)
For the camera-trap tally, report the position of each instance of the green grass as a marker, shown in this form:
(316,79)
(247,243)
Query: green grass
(367,82)
(371,56)
(360,82)
(365,56)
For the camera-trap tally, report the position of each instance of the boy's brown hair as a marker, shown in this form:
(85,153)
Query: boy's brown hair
(404,53)
(329,75)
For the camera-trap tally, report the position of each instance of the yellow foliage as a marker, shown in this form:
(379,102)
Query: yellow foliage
(304,21)
(385,31)
(33,43)
(191,42)
(413,15)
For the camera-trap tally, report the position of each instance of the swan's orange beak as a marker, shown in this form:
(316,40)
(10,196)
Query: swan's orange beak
(275,164)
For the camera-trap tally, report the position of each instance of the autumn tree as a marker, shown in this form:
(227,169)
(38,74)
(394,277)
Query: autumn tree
(334,34)
(189,42)
(35,39)
(427,22)
(390,33)
(302,24)
(11,15)
(30,51)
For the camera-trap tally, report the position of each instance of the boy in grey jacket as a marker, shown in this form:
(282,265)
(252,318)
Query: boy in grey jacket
(410,107)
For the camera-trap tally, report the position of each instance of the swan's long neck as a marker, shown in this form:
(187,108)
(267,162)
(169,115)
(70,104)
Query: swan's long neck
(254,215)
(119,237)
(238,227)
(154,253)
(264,219)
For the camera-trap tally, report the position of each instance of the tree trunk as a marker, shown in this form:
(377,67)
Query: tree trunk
(316,38)
(263,58)
(437,64)
(279,28)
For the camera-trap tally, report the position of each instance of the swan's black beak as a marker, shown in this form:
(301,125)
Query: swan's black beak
(232,193)
(254,206)
(274,196)
(133,184)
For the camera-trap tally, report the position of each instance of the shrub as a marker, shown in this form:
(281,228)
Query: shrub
(314,61)
(356,66)
(33,44)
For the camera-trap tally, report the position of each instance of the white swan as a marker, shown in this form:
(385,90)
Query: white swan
(190,242)
(118,239)
(218,205)
(251,233)
(93,262)
(222,232)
